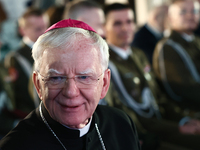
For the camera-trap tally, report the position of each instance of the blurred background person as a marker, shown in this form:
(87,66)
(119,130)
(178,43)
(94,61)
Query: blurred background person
(7,103)
(197,31)
(9,35)
(55,14)
(135,90)
(56,11)
(19,63)
(87,11)
(148,35)
(3,15)
(176,59)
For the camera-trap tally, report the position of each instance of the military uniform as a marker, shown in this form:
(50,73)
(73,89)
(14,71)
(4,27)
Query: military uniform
(7,102)
(19,65)
(176,63)
(134,90)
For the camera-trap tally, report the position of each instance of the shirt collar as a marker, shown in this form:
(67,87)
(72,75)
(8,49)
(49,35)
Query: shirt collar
(84,130)
(27,41)
(187,37)
(121,52)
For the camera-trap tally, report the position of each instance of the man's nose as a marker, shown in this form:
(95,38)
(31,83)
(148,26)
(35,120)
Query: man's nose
(70,90)
(125,28)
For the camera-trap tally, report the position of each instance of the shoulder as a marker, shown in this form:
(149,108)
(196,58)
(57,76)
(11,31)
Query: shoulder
(23,49)
(116,126)
(11,58)
(142,29)
(142,33)
(139,56)
(112,114)
(108,109)
(23,134)
(138,51)
(162,43)
(197,38)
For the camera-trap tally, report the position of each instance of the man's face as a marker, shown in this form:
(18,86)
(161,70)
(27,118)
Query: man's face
(34,27)
(120,27)
(71,105)
(95,18)
(184,17)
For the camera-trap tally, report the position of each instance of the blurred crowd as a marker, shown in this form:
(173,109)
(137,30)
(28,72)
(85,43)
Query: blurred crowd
(155,68)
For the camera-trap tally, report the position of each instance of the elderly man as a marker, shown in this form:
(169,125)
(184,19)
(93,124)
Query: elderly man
(71,76)
(135,89)
(176,58)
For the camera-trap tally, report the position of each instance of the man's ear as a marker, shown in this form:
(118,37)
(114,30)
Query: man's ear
(106,83)
(36,82)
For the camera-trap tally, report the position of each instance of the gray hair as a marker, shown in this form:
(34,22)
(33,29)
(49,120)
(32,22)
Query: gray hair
(63,38)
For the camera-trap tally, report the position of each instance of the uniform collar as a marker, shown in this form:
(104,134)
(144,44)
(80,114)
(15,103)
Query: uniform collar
(27,41)
(187,37)
(124,54)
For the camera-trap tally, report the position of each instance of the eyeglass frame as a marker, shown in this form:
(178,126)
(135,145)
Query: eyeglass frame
(67,78)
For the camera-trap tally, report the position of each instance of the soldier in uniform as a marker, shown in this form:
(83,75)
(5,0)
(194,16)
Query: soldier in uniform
(7,102)
(19,63)
(135,90)
(87,11)
(177,58)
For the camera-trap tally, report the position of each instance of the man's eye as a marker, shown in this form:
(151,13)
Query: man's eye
(83,77)
(183,12)
(56,79)
(117,23)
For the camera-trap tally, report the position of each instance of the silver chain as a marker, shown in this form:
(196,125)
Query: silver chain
(100,138)
(46,123)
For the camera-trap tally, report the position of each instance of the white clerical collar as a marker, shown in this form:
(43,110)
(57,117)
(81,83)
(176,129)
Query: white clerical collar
(188,37)
(121,52)
(84,130)
(27,41)
(154,31)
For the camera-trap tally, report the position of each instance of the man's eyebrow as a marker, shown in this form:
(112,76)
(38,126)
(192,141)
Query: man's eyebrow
(53,71)
(87,71)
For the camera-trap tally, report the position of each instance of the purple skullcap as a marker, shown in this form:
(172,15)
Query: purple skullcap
(70,23)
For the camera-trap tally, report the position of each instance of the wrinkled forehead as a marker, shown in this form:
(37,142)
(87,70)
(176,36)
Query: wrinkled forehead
(80,56)
(76,46)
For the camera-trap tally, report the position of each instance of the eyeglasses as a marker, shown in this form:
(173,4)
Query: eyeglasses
(58,82)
